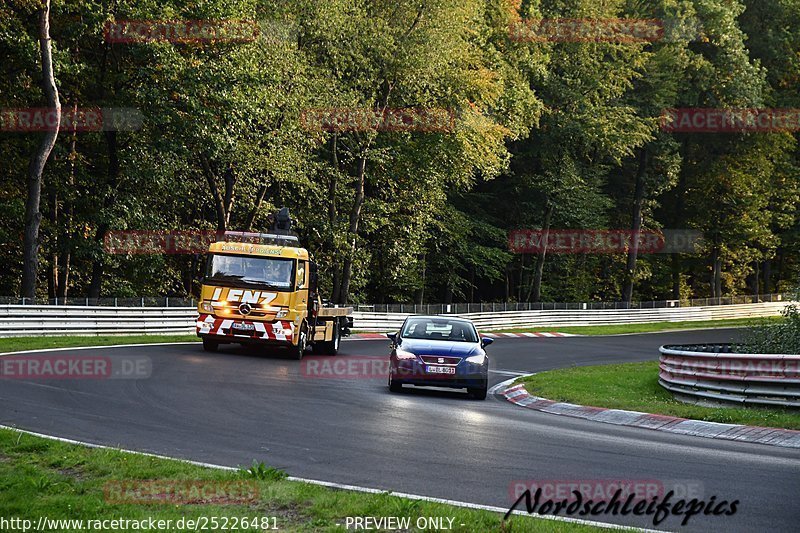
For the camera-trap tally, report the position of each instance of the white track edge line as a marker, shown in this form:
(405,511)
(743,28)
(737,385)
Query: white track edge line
(340,486)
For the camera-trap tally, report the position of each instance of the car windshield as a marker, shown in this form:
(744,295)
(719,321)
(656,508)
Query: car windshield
(439,329)
(248,270)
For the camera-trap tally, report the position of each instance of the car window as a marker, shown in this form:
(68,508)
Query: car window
(439,329)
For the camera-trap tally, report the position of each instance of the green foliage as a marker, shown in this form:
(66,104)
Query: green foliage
(782,337)
(566,128)
(262,472)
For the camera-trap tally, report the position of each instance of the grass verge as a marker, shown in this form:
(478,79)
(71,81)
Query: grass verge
(45,478)
(634,386)
(650,327)
(14,344)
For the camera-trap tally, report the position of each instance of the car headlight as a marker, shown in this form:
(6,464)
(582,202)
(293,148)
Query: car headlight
(402,354)
(206,307)
(282,313)
(477,359)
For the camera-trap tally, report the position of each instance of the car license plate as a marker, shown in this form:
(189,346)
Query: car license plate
(243,328)
(441,370)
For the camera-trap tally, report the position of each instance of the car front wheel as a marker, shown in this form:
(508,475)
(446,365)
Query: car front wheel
(394,386)
(478,393)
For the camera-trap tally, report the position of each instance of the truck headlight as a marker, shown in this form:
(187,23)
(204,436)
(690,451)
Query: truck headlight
(206,307)
(476,359)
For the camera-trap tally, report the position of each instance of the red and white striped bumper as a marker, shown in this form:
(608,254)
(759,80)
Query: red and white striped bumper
(274,331)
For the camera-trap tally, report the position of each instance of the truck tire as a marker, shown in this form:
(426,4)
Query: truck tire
(210,345)
(330,347)
(298,351)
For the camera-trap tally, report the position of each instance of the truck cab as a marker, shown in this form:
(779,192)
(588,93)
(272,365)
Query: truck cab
(261,288)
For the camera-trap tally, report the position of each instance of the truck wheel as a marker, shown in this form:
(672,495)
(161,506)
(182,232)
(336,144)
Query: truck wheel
(300,349)
(210,345)
(330,347)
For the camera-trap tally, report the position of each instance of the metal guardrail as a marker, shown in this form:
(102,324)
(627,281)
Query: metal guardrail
(718,374)
(548,319)
(497,307)
(17,320)
(416,309)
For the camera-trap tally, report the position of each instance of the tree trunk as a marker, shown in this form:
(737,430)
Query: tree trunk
(716,272)
(355,217)
(64,262)
(251,218)
(676,276)
(636,227)
(33,218)
(219,202)
(98,265)
(52,271)
(537,276)
(767,276)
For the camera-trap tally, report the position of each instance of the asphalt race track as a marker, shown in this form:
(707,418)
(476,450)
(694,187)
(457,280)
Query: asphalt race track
(239,405)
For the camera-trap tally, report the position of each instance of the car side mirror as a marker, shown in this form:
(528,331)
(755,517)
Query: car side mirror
(486,341)
(392,337)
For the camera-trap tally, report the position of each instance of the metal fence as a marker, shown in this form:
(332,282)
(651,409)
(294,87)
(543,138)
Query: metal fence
(415,309)
(27,320)
(717,373)
(494,307)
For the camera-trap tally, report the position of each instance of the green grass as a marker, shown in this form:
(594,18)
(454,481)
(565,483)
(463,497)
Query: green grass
(616,329)
(634,386)
(41,477)
(13,344)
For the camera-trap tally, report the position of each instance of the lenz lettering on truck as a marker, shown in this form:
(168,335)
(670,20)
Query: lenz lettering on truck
(261,288)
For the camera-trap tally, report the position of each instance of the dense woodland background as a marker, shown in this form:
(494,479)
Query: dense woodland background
(559,135)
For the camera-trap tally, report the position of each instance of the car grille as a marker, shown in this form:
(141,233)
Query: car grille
(440,360)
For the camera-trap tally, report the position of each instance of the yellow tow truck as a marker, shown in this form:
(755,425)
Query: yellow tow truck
(261,288)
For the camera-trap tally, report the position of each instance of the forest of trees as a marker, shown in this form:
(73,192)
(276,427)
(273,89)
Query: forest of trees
(547,134)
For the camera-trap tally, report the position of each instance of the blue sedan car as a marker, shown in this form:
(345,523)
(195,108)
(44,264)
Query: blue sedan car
(440,352)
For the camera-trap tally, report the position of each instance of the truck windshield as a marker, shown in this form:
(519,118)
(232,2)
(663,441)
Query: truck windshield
(249,270)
